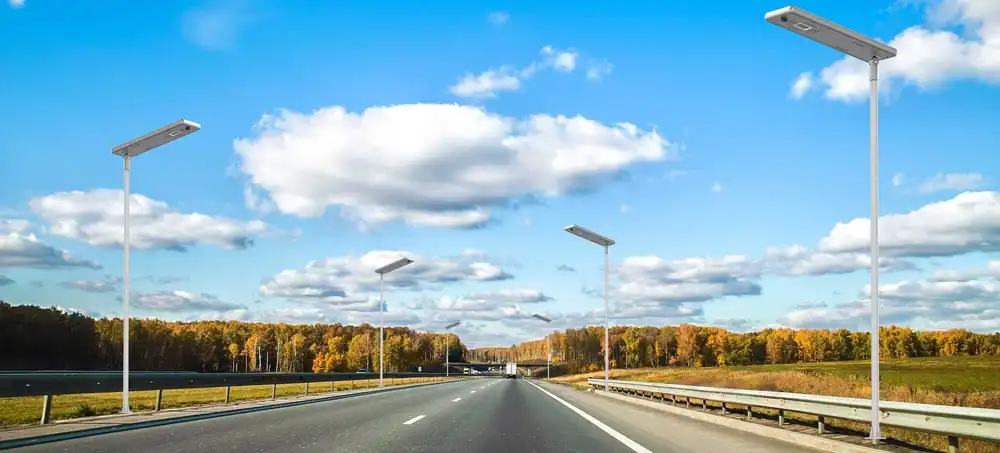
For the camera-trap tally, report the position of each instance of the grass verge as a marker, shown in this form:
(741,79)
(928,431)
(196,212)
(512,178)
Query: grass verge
(28,410)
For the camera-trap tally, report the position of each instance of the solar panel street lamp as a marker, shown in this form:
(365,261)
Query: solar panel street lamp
(447,345)
(548,347)
(605,242)
(870,51)
(127,151)
(381,309)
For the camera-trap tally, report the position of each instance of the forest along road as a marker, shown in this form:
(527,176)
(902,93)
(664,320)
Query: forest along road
(478,416)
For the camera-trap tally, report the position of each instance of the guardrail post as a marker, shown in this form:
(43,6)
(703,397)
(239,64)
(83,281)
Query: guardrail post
(228,389)
(274,391)
(723,408)
(952,444)
(687,399)
(781,417)
(673,400)
(749,413)
(46,409)
(159,400)
(704,405)
(821,424)
(307,388)
(352,384)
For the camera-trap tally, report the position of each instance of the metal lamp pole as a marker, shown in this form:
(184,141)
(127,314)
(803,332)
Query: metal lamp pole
(381,310)
(605,242)
(447,346)
(866,49)
(548,346)
(127,151)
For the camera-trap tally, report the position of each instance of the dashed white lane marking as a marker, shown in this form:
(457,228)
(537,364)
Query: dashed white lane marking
(633,445)
(414,420)
(473,391)
(456,400)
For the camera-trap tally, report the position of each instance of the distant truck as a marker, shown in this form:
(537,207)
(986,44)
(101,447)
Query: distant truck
(511,371)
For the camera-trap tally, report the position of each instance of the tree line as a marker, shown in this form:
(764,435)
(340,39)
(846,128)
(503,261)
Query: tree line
(582,350)
(35,338)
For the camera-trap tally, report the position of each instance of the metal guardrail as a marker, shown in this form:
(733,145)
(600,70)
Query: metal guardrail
(952,421)
(49,383)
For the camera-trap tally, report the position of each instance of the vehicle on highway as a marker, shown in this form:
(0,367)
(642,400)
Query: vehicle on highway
(511,371)
(363,371)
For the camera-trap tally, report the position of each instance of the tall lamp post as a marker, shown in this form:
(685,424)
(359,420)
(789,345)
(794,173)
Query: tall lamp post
(381,309)
(447,346)
(548,347)
(870,51)
(128,150)
(605,242)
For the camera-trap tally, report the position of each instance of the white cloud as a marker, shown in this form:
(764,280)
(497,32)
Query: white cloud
(565,268)
(15,3)
(930,55)
(433,164)
(19,248)
(487,84)
(799,260)
(717,187)
(561,60)
(898,179)
(952,181)
(217,26)
(596,70)
(967,301)
(625,209)
(674,174)
(351,283)
(180,302)
(96,217)
(968,222)
(499,17)
(653,287)
(105,285)
(801,85)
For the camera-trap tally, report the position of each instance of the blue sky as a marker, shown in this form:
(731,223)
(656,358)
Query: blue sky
(718,150)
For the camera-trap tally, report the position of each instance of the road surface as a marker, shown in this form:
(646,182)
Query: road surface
(474,416)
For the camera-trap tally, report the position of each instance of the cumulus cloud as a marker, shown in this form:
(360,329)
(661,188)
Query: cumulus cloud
(433,164)
(15,3)
(799,260)
(20,248)
(651,287)
(105,285)
(931,54)
(181,302)
(488,83)
(96,217)
(968,222)
(565,268)
(351,283)
(951,299)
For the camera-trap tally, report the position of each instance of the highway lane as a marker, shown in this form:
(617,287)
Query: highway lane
(481,415)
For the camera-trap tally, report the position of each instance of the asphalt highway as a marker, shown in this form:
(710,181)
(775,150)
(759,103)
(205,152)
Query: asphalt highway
(478,416)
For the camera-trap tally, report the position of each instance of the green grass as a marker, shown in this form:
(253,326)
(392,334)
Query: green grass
(28,410)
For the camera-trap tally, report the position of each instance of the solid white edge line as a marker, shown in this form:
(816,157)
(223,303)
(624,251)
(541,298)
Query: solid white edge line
(607,429)
(414,420)
(456,400)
